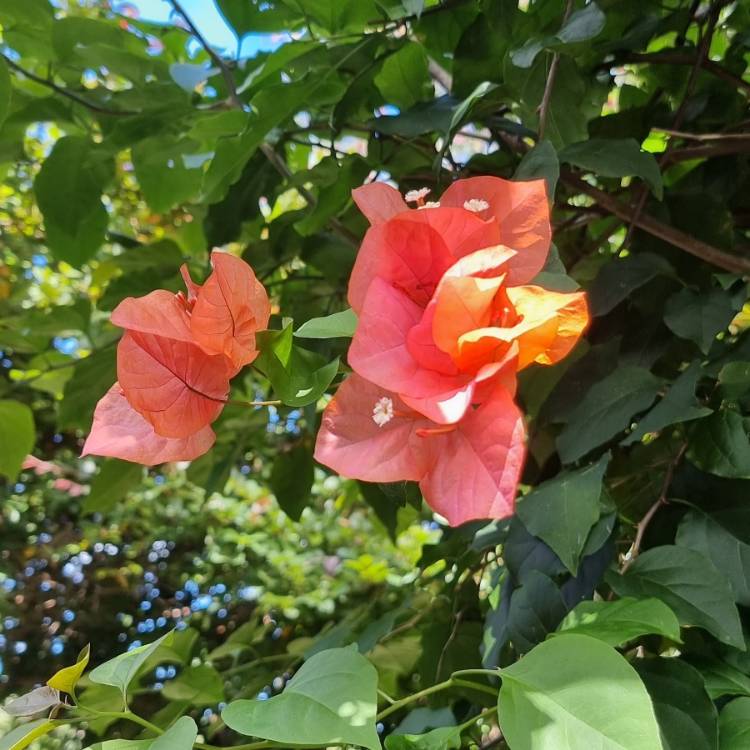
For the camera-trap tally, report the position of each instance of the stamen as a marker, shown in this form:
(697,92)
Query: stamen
(417,196)
(430,204)
(382,412)
(476,205)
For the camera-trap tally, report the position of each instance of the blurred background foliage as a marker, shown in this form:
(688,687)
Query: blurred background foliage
(129,146)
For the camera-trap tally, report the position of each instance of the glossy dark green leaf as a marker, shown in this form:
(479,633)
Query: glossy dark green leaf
(690,585)
(730,555)
(606,410)
(699,316)
(685,712)
(540,162)
(615,158)
(562,510)
(719,445)
(679,404)
(291,479)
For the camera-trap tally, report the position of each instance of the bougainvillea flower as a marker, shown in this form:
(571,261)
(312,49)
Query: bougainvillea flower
(121,432)
(466,471)
(174,364)
(436,335)
(519,210)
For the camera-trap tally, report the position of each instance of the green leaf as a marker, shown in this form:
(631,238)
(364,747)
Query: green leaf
(114,480)
(332,699)
(699,316)
(679,404)
(619,277)
(67,678)
(442,738)
(180,736)
(690,585)
(201,685)
(5,91)
(622,620)
(606,410)
(92,378)
(686,714)
(22,736)
(583,24)
(17,436)
(615,158)
(721,678)
(122,745)
(68,191)
(574,692)
(338,325)
(122,670)
(734,725)
(734,379)
(562,510)
(719,445)
(298,376)
(730,555)
(165,178)
(403,79)
(540,162)
(292,478)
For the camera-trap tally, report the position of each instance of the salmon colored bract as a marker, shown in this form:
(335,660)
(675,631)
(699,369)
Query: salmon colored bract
(447,317)
(174,364)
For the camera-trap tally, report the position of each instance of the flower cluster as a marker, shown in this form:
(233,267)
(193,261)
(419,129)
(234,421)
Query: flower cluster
(174,364)
(447,318)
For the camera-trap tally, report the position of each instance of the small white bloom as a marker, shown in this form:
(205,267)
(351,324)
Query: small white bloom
(476,205)
(382,412)
(417,196)
(430,204)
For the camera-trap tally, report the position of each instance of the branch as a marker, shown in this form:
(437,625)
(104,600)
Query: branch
(217,60)
(733,263)
(685,58)
(67,93)
(651,512)
(547,96)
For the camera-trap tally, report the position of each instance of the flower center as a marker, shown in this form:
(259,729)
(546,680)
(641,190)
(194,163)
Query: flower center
(476,205)
(382,412)
(417,196)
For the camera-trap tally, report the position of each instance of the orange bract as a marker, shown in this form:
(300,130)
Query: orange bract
(174,364)
(446,320)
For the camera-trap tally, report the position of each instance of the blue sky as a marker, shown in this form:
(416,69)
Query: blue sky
(211,23)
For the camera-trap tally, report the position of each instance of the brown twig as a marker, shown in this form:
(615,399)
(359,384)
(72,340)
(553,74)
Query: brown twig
(700,249)
(550,85)
(67,93)
(651,512)
(215,58)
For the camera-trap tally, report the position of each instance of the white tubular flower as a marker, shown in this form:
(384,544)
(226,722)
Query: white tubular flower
(382,412)
(476,205)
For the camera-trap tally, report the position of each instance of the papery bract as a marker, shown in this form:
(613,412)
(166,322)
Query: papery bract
(121,432)
(229,308)
(175,385)
(466,471)
(174,364)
